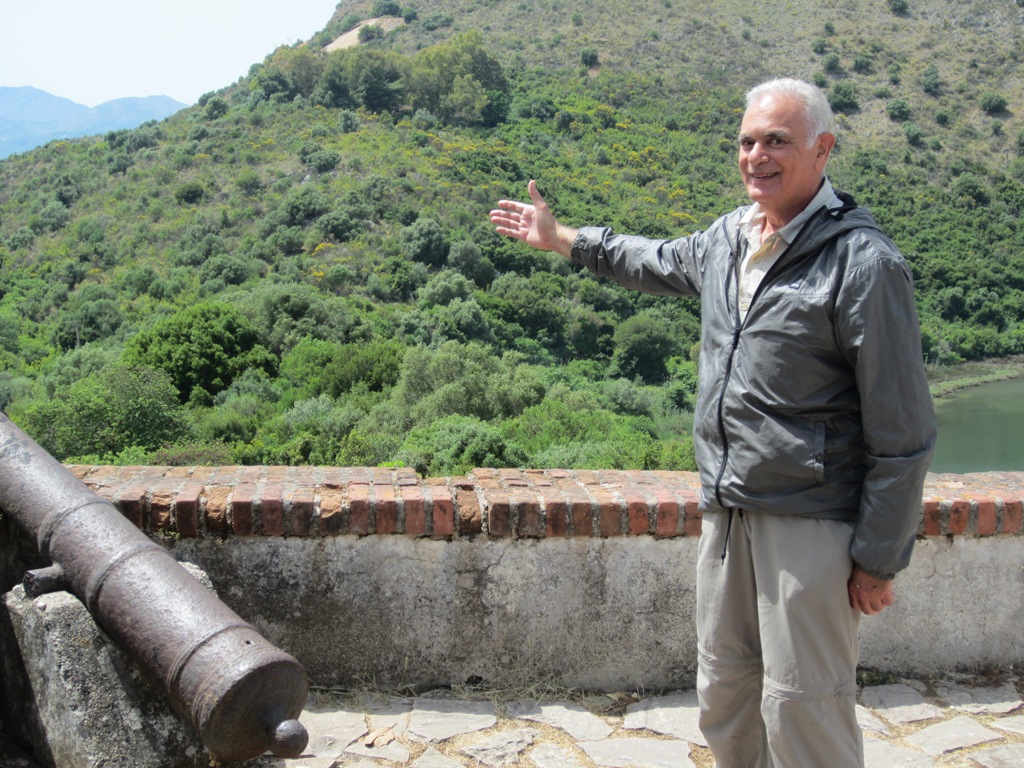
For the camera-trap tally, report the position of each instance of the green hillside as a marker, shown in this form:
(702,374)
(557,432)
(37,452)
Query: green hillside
(300,269)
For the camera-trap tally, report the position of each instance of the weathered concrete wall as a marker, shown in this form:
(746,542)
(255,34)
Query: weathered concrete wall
(375,577)
(598,613)
(609,614)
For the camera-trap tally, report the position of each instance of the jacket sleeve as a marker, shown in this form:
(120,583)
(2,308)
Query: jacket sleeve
(662,267)
(880,333)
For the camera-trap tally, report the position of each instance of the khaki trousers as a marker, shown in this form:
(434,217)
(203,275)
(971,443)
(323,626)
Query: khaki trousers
(777,642)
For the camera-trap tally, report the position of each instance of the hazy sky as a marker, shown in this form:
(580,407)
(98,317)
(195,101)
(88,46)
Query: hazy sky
(91,51)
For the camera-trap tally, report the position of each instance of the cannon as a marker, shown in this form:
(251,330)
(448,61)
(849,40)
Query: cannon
(242,695)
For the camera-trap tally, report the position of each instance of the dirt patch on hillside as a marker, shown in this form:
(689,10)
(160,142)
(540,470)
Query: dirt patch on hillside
(350,38)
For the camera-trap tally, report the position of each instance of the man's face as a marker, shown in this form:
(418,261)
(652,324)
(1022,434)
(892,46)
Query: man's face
(779,169)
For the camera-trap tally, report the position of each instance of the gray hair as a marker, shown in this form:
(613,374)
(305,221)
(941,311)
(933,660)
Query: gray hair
(817,110)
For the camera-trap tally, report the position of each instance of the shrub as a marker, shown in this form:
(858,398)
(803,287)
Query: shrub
(898,110)
(843,97)
(348,121)
(369,32)
(189,193)
(215,107)
(993,103)
(913,133)
(930,80)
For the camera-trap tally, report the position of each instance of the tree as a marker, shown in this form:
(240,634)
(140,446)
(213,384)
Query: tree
(424,241)
(106,413)
(456,444)
(376,80)
(458,80)
(92,314)
(643,345)
(386,8)
(201,348)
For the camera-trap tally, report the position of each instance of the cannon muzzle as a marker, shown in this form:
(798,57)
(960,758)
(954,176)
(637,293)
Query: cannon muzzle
(242,695)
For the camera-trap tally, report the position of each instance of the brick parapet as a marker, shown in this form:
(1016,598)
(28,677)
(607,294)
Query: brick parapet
(499,503)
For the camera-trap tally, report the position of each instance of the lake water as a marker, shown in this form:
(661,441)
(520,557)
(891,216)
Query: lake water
(981,429)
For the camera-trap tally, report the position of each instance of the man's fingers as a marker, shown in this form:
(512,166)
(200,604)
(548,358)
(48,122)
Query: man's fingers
(535,196)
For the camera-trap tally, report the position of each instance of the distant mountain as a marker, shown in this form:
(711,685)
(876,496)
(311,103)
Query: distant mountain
(30,117)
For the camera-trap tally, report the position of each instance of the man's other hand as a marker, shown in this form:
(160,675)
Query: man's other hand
(868,594)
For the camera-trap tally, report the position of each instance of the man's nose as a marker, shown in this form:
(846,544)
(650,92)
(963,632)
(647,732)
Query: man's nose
(757,155)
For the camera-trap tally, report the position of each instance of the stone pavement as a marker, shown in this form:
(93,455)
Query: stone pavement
(953,723)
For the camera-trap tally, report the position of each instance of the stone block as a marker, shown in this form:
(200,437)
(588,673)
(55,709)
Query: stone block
(89,705)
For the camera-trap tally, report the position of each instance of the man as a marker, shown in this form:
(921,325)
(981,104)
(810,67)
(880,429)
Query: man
(813,430)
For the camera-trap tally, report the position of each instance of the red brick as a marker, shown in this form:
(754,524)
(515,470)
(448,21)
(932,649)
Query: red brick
(359,510)
(415,510)
(499,515)
(557,517)
(986,525)
(248,475)
(1012,516)
(386,509)
(160,501)
(531,519)
(467,506)
(332,505)
(443,511)
(242,502)
(131,501)
(272,509)
(186,510)
(637,513)
(609,514)
(959,514)
(666,518)
(300,515)
(608,517)
(582,518)
(217,509)
(694,518)
(931,523)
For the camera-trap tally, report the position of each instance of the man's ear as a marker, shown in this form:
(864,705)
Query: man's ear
(826,142)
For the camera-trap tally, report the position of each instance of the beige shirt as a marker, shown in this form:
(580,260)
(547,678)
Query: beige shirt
(761,255)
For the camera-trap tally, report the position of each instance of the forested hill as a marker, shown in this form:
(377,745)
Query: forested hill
(299,269)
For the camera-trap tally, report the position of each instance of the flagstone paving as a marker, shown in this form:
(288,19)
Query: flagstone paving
(956,723)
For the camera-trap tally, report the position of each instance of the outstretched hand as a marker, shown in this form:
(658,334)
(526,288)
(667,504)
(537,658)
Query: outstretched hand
(533,223)
(868,594)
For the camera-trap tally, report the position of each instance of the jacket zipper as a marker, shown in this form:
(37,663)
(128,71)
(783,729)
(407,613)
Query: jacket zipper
(738,324)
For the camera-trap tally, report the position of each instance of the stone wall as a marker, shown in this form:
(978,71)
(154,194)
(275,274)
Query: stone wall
(375,577)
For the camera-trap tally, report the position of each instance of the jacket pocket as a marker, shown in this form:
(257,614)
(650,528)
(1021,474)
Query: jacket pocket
(818,455)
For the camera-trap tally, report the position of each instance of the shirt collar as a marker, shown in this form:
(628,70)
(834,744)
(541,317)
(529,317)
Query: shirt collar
(753,219)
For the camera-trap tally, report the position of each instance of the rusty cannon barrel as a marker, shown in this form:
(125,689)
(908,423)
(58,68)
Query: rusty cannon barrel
(241,694)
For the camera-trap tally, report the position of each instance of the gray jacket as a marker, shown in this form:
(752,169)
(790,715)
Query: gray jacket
(816,403)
